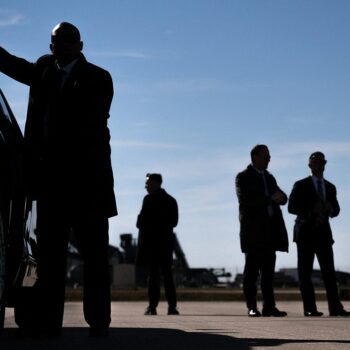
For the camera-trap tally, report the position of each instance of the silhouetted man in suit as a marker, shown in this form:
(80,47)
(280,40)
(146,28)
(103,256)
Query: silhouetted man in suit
(69,173)
(314,201)
(263,231)
(156,221)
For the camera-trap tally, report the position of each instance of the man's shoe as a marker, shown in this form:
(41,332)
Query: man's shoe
(273,312)
(27,332)
(99,332)
(313,313)
(341,312)
(150,311)
(254,313)
(173,311)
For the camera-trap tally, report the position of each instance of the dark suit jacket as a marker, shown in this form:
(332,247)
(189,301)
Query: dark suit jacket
(302,202)
(259,231)
(66,132)
(156,221)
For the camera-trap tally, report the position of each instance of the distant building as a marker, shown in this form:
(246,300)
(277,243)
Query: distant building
(288,277)
(125,274)
(343,278)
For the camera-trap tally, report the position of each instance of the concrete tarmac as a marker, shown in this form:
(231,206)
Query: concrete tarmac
(201,325)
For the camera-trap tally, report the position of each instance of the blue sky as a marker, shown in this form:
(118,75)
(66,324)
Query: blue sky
(197,84)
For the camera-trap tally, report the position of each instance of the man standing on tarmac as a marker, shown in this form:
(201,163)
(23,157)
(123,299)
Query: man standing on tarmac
(263,231)
(314,201)
(69,173)
(156,221)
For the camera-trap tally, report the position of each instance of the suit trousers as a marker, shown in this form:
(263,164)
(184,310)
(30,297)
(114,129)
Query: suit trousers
(306,257)
(44,306)
(262,263)
(155,270)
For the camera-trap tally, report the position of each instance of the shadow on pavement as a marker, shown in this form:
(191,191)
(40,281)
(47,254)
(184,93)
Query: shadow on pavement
(143,338)
(123,339)
(252,342)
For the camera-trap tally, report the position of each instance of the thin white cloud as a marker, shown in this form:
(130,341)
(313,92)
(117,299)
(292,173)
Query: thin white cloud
(141,124)
(287,156)
(203,85)
(187,86)
(10,18)
(169,31)
(206,165)
(121,54)
(212,198)
(333,148)
(142,144)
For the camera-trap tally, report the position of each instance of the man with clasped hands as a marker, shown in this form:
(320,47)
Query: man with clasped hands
(314,201)
(262,232)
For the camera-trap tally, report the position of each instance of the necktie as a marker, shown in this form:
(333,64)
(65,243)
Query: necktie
(269,207)
(320,189)
(265,184)
(322,215)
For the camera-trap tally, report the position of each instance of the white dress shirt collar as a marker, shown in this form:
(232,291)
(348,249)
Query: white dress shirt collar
(262,172)
(68,67)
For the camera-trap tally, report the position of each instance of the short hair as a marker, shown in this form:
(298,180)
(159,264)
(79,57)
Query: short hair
(256,150)
(317,154)
(155,177)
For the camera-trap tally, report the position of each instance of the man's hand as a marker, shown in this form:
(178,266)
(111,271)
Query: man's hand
(278,197)
(328,208)
(323,208)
